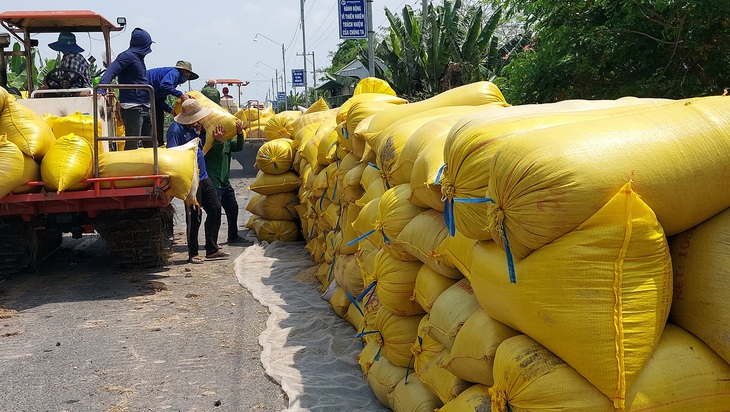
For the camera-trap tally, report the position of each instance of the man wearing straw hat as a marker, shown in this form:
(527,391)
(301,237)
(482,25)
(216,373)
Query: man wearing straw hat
(164,80)
(185,128)
(72,58)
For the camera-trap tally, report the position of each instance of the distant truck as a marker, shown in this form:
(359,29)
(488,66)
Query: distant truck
(133,221)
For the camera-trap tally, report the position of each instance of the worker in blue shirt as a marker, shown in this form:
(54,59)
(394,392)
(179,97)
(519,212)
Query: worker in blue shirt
(164,80)
(129,68)
(185,128)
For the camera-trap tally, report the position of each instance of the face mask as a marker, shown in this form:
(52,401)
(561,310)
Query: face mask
(183,78)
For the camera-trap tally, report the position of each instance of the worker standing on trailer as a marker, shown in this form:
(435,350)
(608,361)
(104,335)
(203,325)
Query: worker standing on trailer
(210,91)
(129,68)
(185,128)
(165,81)
(218,163)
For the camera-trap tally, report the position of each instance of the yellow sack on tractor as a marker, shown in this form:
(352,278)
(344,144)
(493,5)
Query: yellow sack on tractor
(179,163)
(78,124)
(69,161)
(597,297)
(220,116)
(319,106)
(677,158)
(267,184)
(11,166)
(281,125)
(26,129)
(701,302)
(31,173)
(275,156)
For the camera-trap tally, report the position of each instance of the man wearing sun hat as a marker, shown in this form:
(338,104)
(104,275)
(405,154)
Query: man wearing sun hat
(185,128)
(164,80)
(72,58)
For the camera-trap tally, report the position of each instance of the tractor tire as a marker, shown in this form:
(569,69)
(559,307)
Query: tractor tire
(137,238)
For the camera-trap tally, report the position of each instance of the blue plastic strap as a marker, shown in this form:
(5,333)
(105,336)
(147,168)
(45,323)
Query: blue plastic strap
(449,209)
(365,292)
(353,300)
(311,231)
(332,269)
(385,238)
(510,259)
(439,174)
(346,133)
(373,165)
(339,216)
(334,190)
(321,199)
(357,239)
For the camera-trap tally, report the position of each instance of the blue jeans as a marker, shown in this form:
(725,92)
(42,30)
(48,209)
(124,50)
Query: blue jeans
(137,123)
(228,201)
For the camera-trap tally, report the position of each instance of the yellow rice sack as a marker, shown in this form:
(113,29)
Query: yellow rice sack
(429,285)
(67,163)
(346,111)
(79,124)
(394,213)
(281,125)
(365,222)
(398,332)
(426,174)
(220,116)
(277,206)
(267,184)
(180,165)
(410,395)
(340,302)
(677,158)
(620,258)
(474,94)
(31,173)
(309,119)
(528,377)
(4,95)
(347,274)
(474,398)
(439,380)
(474,140)
(421,238)
(396,280)
(273,230)
(701,301)
(450,310)
(12,166)
(373,85)
(319,106)
(472,355)
(275,157)
(458,250)
(26,129)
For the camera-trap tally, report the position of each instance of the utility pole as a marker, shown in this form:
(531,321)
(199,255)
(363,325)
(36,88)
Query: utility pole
(371,32)
(304,48)
(314,67)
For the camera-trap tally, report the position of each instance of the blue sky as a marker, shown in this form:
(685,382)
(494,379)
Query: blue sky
(217,36)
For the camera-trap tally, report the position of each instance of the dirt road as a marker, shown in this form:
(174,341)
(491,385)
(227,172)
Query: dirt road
(81,335)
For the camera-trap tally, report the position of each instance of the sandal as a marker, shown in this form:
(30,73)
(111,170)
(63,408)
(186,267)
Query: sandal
(218,254)
(196,260)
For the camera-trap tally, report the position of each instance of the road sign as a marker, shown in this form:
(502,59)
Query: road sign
(352,16)
(297,77)
(282,97)
(275,105)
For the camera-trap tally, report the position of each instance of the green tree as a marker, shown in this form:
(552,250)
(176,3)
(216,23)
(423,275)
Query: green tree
(347,51)
(613,48)
(450,47)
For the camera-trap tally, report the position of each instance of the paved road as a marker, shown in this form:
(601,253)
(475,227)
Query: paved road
(83,336)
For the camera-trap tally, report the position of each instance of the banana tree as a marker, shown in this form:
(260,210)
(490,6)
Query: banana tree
(17,73)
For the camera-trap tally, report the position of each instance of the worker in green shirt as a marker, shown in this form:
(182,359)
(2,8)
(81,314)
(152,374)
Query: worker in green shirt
(218,163)
(211,92)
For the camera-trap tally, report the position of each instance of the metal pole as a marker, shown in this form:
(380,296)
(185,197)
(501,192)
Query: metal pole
(304,47)
(314,71)
(283,75)
(371,55)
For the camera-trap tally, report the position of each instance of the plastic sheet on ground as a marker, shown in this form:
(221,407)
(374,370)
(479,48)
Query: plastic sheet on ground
(307,348)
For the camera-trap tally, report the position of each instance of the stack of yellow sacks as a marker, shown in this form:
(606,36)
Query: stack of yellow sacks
(517,258)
